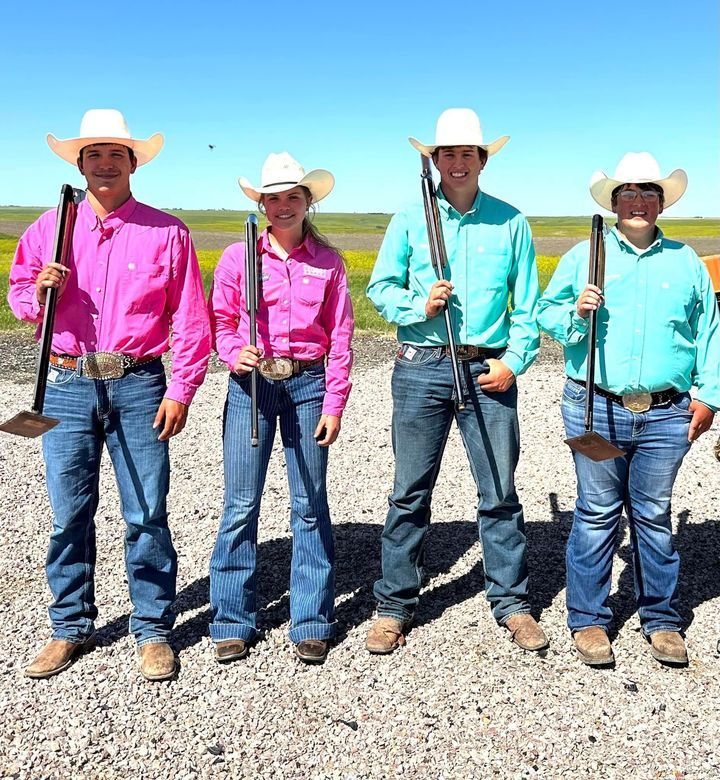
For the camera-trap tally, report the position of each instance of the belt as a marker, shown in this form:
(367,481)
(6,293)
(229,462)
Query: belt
(283,368)
(636,402)
(100,365)
(471,352)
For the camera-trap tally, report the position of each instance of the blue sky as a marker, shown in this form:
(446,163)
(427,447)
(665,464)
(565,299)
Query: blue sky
(342,86)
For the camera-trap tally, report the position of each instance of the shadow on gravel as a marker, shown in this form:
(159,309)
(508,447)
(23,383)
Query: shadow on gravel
(699,548)
(697,543)
(358,566)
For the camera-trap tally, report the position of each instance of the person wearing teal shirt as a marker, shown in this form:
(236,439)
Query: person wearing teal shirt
(658,336)
(491,288)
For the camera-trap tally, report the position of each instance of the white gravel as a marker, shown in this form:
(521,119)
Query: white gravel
(458,701)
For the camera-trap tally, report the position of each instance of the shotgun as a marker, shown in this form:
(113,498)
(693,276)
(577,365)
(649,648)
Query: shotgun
(34,423)
(592,444)
(438,257)
(252,295)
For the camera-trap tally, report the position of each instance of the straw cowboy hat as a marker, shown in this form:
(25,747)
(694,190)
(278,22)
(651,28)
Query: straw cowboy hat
(105,126)
(281,172)
(638,168)
(459,127)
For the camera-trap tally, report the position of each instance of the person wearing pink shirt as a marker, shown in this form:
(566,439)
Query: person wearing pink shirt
(305,325)
(131,280)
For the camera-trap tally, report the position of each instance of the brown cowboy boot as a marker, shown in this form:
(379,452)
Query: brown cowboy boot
(593,646)
(157,661)
(385,635)
(668,647)
(56,656)
(230,650)
(526,632)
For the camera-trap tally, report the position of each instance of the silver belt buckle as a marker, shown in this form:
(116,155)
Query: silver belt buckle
(637,402)
(466,351)
(276,368)
(103,365)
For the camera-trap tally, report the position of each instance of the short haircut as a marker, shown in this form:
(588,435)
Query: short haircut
(482,153)
(130,151)
(643,187)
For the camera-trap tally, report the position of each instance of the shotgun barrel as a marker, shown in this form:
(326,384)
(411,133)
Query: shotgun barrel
(596,276)
(252,295)
(64,226)
(438,256)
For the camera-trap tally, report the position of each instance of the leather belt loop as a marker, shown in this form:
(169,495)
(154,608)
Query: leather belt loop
(302,365)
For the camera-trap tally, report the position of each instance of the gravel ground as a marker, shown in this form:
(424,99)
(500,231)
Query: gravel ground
(458,701)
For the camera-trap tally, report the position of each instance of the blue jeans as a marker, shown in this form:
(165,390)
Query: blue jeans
(655,443)
(423,411)
(297,403)
(119,413)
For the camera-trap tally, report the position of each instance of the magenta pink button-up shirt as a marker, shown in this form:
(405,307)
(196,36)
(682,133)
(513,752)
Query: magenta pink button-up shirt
(305,311)
(135,276)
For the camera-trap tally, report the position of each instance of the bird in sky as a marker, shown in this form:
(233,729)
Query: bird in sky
(211,146)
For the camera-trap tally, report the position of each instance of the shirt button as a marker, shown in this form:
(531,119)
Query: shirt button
(286,301)
(285,341)
(285,323)
(98,289)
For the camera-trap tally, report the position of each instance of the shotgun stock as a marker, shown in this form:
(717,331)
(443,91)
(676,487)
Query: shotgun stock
(438,256)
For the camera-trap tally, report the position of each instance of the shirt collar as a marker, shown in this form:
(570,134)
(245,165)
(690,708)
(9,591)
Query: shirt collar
(447,207)
(628,247)
(114,219)
(308,246)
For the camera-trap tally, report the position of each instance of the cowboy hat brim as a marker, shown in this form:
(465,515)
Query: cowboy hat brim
(69,148)
(491,149)
(673,187)
(319,181)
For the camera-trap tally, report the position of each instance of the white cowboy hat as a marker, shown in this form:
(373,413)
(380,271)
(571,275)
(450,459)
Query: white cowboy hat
(281,172)
(638,168)
(459,127)
(105,126)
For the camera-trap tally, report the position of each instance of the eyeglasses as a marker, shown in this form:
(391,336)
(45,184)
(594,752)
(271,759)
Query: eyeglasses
(649,196)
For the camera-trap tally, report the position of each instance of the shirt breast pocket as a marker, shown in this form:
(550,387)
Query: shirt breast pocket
(311,292)
(493,270)
(146,287)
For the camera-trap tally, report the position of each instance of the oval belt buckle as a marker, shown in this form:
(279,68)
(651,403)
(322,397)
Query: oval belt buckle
(276,368)
(103,365)
(637,402)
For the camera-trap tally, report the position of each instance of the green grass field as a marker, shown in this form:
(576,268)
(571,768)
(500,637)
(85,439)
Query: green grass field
(359,264)
(227,221)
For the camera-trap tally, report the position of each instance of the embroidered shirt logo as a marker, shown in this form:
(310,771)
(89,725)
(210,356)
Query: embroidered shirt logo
(311,270)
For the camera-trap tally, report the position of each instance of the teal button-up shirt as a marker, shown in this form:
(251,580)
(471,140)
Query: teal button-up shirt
(659,326)
(490,260)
